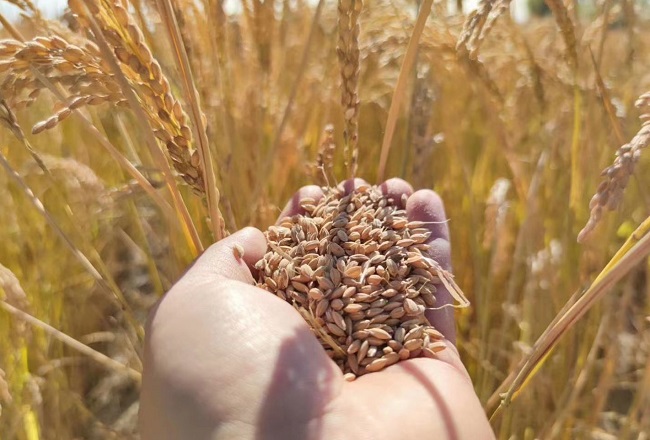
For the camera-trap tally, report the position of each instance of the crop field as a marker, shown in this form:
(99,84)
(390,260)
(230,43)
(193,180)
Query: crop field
(135,133)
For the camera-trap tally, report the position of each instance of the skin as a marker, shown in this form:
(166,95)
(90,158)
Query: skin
(226,360)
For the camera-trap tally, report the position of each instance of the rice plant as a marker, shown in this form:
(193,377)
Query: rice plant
(135,133)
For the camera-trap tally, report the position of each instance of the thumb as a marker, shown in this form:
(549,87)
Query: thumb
(220,259)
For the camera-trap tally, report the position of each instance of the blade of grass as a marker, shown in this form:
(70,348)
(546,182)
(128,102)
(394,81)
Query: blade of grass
(400,87)
(100,358)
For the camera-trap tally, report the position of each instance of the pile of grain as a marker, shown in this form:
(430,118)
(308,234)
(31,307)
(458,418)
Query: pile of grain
(359,273)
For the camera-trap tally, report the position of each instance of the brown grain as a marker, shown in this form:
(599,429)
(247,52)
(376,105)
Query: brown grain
(360,274)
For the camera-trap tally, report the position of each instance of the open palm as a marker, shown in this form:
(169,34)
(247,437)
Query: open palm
(226,360)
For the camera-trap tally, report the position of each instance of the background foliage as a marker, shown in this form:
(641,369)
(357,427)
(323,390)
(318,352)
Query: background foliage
(512,127)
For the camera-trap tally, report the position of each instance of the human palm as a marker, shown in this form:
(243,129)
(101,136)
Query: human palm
(226,360)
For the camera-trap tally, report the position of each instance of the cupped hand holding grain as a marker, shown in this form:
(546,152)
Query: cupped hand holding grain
(225,360)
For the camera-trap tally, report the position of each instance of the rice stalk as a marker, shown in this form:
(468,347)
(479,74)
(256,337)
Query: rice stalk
(607,101)
(160,84)
(116,29)
(72,169)
(420,115)
(478,25)
(555,428)
(280,130)
(7,116)
(116,155)
(196,116)
(567,29)
(629,255)
(324,166)
(60,62)
(348,55)
(400,87)
(296,82)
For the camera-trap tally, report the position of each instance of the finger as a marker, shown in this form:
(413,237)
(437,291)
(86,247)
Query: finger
(395,188)
(293,206)
(350,185)
(220,259)
(315,192)
(426,206)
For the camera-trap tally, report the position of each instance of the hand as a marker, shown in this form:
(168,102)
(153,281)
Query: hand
(226,360)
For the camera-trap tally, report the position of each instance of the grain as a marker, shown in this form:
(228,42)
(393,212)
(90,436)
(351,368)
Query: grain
(238,252)
(363,280)
(379,334)
(79,69)
(376,365)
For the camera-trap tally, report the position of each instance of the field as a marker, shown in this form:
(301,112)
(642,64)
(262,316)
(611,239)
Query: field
(103,204)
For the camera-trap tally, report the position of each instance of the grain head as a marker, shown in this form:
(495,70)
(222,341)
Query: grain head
(616,176)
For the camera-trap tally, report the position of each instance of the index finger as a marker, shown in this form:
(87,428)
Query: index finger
(293,205)
(396,189)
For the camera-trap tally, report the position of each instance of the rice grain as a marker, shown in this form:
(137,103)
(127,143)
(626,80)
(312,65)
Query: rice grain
(364,278)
